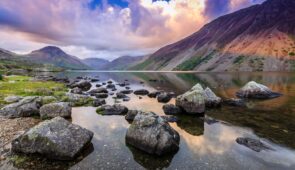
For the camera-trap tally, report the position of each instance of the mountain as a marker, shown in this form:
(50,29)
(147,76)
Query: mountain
(55,56)
(95,63)
(121,63)
(258,38)
(10,60)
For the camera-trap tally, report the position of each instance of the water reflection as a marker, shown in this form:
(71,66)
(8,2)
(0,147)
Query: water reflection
(206,143)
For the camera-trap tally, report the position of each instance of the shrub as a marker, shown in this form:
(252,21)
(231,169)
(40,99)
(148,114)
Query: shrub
(292,54)
(1,77)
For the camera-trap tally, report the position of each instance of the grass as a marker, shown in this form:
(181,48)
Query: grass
(193,62)
(23,86)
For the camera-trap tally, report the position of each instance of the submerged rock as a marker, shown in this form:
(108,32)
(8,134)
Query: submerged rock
(234,102)
(55,139)
(254,144)
(126,91)
(29,106)
(256,91)
(98,102)
(154,94)
(110,86)
(83,85)
(170,109)
(101,95)
(211,100)
(141,92)
(120,95)
(193,101)
(112,110)
(150,133)
(52,110)
(164,97)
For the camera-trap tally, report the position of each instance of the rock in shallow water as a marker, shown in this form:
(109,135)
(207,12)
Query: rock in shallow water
(256,91)
(170,109)
(211,99)
(141,92)
(52,110)
(254,144)
(164,97)
(150,133)
(193,101)
(131,114)
(83,85)
(29,106)
(55,139)
(112,110)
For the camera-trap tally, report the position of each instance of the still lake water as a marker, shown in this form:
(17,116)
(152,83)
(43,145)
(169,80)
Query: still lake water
(206,143)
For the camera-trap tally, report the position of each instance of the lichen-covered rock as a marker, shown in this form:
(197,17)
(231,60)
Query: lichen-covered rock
(83,85)
(164,97)
(150,133)
(12,99)
(48,99)
(193,101)
(112,110)
(256,91)
(77,99)
(76,90)
(141,92)
(55,139)
(131,114)
(52,110)
(29,106)
(170,109)
(211,100)
(254,144)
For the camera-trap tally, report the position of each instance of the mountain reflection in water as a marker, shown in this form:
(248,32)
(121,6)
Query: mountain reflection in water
(206,143)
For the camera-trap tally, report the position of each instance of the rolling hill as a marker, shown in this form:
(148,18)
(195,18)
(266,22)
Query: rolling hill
(257,38)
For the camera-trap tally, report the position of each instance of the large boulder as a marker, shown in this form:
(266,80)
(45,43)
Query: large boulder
(150,133)
(211,100)
(12,99)
(112,110)
(48,99)
(131,114)
(170,109)
(55,139)
(193,101)
(29,106)
(256,91)
(141,92)
(61,109)
(83,85)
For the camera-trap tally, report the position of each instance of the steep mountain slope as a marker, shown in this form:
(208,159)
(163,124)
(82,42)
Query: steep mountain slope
(258,38)
(57,57)
(95,63)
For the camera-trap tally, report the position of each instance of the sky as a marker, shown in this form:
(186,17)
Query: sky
(105,28)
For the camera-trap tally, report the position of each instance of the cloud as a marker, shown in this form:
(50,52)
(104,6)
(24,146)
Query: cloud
(108,30)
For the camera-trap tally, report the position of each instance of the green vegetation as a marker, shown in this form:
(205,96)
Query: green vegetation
(292,54)
(23,86)
(141,66)
(1,77)
(193,62)
(257,64)
(99,110)
(239,60)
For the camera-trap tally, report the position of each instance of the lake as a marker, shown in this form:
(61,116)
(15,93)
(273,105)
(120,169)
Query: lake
(206,143)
